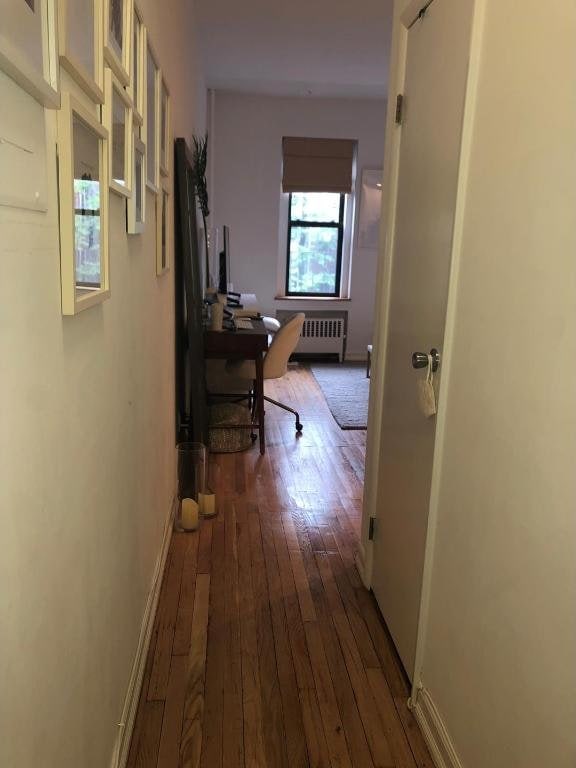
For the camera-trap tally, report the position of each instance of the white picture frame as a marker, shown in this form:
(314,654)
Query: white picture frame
(81,44)
(165,129)
(29,47)
(151,126)
(370,209)
(136,203)
(83,209)
(117,119)
(137,86)
(163,230)
(118,37)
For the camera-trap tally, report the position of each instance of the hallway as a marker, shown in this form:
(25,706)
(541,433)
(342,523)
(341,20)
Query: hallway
(267,650)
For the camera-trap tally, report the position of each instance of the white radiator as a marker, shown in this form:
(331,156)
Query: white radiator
(323,335)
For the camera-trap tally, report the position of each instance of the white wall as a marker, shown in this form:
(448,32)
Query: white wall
(87,469)
(499,656)
(247,145)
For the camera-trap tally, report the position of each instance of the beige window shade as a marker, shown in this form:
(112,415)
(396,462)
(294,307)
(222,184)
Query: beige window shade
(317,165)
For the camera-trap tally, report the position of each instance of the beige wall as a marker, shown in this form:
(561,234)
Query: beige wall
(499,655)
(87,470)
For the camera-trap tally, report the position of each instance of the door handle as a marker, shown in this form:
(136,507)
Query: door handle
(420,359)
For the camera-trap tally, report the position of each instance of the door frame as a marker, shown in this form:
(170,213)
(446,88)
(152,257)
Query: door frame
(405,12)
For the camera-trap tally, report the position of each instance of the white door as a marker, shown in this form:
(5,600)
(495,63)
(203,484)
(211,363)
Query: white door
(434,92)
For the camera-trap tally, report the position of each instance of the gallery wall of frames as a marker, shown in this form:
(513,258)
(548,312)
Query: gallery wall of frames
(116,141)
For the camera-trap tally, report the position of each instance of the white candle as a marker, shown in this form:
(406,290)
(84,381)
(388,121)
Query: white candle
(207,504)
(189,515)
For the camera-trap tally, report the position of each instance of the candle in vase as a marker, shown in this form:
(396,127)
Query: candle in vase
(189,515)
(207,503)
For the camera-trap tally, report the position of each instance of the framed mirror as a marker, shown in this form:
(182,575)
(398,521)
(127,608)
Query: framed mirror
(152,123)
(137,88)
(117,118)
(83,199)
(81,41)
(29,47)
(163,231)
(164,129)
(136,203)
(117,37)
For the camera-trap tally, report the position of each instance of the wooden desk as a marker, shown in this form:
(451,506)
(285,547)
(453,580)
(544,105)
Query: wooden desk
(244,345)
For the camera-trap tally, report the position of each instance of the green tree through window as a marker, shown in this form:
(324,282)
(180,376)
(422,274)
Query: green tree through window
(315,235)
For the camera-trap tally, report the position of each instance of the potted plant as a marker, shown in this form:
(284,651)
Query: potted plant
(200,158)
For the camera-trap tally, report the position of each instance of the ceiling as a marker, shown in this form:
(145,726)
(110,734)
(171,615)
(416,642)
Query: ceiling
(299,47)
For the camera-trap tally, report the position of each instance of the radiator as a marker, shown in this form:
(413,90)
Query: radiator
(323,333)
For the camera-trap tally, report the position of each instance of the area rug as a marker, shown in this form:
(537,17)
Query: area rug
(346,389)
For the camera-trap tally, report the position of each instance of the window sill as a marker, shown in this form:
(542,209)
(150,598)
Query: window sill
(312,298)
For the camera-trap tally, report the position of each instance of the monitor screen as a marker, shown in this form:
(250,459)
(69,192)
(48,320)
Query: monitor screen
(224,261)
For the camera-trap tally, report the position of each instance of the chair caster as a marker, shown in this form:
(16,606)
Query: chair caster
(299,427)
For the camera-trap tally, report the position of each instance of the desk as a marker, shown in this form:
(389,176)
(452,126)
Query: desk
(245,345)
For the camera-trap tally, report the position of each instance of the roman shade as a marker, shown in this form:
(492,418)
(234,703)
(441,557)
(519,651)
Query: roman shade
(317,165)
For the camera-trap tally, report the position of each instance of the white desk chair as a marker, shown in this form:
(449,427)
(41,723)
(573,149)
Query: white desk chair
(276,359)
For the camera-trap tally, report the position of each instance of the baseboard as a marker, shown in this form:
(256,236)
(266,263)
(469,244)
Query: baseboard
(434,731)
(355,357)
(126,724)
(360,563)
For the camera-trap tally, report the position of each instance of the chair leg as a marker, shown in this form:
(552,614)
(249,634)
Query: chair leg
(299,426)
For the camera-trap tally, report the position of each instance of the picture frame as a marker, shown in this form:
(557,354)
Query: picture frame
(81,44)
(117,37)
(29,47)
(136,88)
(136,203)
(370,209)
(165,128)
(83,203)
(151,126)
(163,230)
(117,119)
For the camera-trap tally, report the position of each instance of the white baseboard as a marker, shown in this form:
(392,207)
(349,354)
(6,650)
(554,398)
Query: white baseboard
(434,731)
(360,563)
(126,724)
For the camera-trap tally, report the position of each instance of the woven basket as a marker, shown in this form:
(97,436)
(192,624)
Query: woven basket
(229,440)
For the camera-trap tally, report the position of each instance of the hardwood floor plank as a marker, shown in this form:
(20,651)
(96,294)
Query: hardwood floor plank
(333,726)
(401,752)
(193,720)
(254,756)
(212,729)
(233,741)
(317,748)
(146,737)
(167,614)
(272,714)
(353,725)
(169,752)
(183,628)
(296,743)
(205,547)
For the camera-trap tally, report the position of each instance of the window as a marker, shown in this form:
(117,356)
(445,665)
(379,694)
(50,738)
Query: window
(315,238)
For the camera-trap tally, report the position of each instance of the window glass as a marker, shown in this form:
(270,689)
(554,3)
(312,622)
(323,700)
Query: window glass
(315,235)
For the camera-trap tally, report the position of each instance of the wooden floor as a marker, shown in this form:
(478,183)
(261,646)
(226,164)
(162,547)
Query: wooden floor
(267,650)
